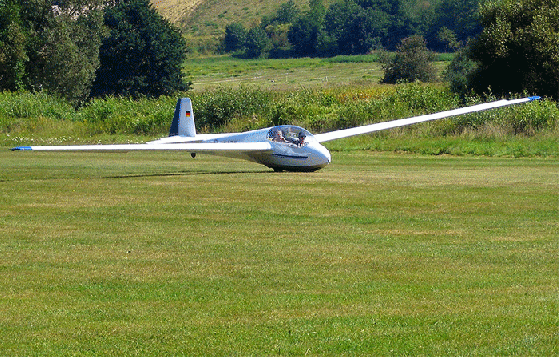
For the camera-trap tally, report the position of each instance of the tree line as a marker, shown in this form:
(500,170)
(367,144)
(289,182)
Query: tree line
(349,27)
(79,49)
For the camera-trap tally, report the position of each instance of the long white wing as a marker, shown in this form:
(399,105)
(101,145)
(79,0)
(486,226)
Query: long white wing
(238,147)
(344,133)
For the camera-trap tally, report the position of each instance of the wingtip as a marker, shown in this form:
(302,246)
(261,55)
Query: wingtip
(21,148)
(535,97)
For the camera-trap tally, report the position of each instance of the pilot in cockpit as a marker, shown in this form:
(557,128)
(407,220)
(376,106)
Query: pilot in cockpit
(278,136)
(302,137)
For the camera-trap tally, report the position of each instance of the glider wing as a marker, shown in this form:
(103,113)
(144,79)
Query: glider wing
(344,133)
(218,148)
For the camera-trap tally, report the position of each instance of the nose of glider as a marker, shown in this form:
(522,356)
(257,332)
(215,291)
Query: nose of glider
(324,155)
(327,155)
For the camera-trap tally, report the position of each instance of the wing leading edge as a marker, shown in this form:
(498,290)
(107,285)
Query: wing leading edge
(344,133)
(240,147)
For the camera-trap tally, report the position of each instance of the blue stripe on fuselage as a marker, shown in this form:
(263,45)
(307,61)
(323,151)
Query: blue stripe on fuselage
(291,156)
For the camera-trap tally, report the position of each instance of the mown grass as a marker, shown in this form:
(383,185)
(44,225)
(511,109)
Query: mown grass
(157,254)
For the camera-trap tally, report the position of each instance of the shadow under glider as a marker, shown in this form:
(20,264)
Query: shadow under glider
(283,147)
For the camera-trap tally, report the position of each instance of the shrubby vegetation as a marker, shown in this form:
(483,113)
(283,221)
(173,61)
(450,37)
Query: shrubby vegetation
(27,118)
(81,49)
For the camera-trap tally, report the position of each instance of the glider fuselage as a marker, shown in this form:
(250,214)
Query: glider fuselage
(289,147)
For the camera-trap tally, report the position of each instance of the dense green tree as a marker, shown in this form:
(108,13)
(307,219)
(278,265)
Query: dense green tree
(50,45)
(351,29)
(455,22)
(287,13)
(235,37)
(305,30)
(400,24)
(70,55)
(459,70)
(412,62)
(278,35)
(257,44)
(518,49)
(143,54)
(358,26)
(276,27)
(317,8)
(13,40)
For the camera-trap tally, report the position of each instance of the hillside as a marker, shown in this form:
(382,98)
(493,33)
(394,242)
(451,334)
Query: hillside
(175,10)
(208,18)
(205,20)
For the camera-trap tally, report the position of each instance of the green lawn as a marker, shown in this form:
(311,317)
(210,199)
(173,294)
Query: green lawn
(156,254)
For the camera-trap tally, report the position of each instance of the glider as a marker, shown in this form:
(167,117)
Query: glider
(282,147)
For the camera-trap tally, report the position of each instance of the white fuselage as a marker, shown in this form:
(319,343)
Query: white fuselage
(288,153)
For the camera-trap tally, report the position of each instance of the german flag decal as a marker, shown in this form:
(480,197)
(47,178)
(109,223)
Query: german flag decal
(187,113)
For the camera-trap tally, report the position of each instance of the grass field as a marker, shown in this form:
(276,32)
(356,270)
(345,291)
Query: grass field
(278,74)
(289,73)
(378,254)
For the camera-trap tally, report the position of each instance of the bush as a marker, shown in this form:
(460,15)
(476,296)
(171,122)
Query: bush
(532,117)
(412,62)
(235,37)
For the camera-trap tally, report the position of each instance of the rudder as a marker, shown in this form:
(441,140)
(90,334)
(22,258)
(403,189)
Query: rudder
(183,120)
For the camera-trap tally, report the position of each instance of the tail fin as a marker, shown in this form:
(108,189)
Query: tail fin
(183,121)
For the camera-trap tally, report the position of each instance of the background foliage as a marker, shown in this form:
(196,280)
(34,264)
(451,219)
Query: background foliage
(143,54)
(518,49)
(54,46)
(412,62)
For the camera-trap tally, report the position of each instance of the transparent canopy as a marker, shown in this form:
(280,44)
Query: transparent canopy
(289,134)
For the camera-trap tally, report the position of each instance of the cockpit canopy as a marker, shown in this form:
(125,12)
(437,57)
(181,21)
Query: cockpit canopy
(289,134)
